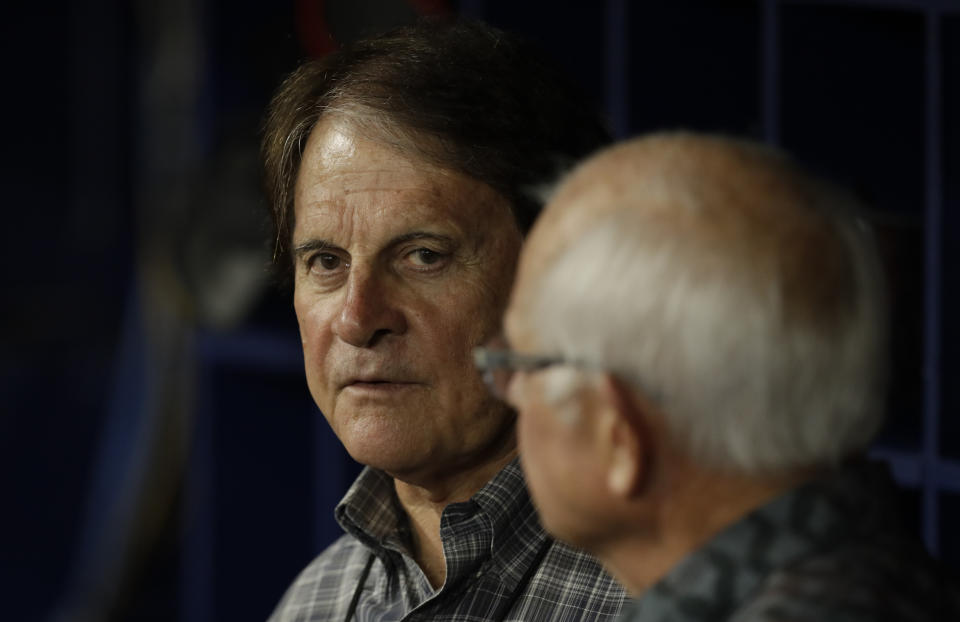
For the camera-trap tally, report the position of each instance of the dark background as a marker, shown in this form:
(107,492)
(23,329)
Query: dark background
(161,457)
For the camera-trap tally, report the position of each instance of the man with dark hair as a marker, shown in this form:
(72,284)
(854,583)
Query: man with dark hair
(403,174)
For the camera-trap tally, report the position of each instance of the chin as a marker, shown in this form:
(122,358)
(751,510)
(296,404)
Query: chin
(388,460)
(383,442)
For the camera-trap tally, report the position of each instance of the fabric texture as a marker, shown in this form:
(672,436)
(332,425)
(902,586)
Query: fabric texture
(831,550)
(501,565)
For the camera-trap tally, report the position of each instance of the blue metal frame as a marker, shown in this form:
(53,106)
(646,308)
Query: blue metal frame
(932,298)
(925,470)
(199,516)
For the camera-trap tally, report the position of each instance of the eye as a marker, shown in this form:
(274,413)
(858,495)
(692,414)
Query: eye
(425,256)
(327,264)
(431,259)
(328,261)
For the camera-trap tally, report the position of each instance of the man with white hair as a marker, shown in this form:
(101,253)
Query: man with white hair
(699,358)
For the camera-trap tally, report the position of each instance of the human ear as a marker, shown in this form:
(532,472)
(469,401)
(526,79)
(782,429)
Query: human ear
(625,437)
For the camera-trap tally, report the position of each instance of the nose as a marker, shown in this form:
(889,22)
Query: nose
(369,312)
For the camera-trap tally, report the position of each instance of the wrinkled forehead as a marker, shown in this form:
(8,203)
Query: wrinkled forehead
(340,162)
(336,138)
(359,122)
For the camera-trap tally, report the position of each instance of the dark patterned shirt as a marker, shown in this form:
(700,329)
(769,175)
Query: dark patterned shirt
(831,550)
(501,565)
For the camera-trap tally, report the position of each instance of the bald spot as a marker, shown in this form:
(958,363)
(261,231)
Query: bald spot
(740,207)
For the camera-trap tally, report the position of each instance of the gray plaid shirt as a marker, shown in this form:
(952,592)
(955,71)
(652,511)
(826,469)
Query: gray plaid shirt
(829,551)
(501,565)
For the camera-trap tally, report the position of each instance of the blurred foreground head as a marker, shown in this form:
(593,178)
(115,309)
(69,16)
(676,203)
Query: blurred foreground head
(741,296)
(710,329)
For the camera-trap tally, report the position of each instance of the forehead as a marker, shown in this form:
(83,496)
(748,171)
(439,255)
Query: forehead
(347,180)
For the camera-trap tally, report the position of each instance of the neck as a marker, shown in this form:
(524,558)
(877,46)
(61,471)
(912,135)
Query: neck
(424,504)
(693,508)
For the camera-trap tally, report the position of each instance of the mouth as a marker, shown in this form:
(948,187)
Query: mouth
(377,388)
(376,384)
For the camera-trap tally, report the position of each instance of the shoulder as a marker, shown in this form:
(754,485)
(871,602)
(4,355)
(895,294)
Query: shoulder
(324,588)
(858,583)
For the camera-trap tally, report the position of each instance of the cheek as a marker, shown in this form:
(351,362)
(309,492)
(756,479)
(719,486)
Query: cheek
(447,350)
(314,324)
(453,323)
(308,320)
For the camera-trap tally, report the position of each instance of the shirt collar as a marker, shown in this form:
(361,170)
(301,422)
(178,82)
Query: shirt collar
(499,521)
(371,512)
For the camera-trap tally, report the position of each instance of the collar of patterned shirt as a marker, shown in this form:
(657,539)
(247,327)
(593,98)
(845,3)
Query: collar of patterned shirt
(501,565)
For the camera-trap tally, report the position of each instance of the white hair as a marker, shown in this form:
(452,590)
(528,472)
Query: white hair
(759,333)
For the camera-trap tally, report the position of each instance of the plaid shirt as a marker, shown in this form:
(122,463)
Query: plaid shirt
(501,565)
(831,550)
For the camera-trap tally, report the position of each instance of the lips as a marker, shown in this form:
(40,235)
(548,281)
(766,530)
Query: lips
(370,372)
(377,389)
(374,381)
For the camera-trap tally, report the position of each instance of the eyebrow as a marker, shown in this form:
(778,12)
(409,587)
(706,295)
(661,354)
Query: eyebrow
(420,235)
(310,246)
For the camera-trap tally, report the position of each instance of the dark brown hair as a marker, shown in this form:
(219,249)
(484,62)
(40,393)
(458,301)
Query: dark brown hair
(461,95)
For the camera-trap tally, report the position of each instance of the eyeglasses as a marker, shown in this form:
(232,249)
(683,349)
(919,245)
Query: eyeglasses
(499,364)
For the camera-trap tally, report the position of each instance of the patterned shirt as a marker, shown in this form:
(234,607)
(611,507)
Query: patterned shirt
(831,550)
(501,565)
